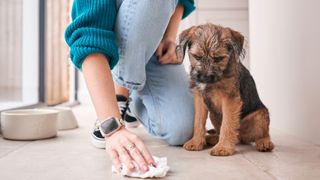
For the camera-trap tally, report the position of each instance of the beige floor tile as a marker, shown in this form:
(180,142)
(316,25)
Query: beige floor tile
(71,156)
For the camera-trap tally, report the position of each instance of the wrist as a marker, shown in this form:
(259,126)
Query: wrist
(117,132)
(110,126)
(171,37)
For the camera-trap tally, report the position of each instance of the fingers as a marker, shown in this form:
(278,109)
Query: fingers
(125,158)
(170,56)
(137,157)
(115,159)
(145,153)
(143,150)
(127,149)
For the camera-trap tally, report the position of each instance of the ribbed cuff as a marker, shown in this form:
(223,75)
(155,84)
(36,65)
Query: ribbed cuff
(188,7)
(78,54)
(86,41)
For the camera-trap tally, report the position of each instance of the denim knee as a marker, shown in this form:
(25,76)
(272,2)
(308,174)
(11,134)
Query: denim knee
(177,133)
(178,137)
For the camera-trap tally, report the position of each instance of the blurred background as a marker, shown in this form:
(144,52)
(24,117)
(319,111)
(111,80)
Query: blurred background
(282,41)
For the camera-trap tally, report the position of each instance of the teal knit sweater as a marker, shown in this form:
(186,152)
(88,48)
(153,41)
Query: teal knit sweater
(92,29)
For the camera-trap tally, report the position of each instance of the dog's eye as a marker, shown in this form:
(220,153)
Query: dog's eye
(197,57)
(218,58)
(229,47)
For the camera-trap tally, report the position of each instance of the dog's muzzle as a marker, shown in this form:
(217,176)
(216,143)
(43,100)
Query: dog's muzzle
(206,79)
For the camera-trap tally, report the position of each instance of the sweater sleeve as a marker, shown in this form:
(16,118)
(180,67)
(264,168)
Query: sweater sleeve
(92,31)
(188,7)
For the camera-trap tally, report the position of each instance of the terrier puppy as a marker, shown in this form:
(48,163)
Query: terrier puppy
(222,86)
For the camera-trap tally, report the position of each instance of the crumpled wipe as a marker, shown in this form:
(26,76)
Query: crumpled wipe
(154,172)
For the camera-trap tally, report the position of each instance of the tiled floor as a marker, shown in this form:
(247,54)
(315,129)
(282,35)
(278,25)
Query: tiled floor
(71,156)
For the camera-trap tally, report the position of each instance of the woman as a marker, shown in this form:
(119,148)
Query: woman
(136,39)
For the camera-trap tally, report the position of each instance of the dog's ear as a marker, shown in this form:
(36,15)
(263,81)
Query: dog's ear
(185,39)
(237,41)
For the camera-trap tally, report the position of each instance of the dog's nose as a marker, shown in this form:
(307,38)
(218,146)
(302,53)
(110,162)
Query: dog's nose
(204,78)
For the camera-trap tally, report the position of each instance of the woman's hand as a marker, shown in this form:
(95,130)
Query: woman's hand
(125,147)
(166,52)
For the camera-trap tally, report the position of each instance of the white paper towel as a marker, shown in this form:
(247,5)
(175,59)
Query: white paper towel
(154,172)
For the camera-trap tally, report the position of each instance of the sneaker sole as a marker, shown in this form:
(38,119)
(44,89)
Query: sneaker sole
(98,143)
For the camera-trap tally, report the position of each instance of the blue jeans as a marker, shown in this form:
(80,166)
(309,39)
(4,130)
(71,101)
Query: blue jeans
(161,97)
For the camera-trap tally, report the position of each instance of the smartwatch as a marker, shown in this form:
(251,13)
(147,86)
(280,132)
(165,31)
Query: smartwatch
(110,125)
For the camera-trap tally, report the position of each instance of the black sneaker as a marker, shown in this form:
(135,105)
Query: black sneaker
(130,121)
(122,104)
(96,137)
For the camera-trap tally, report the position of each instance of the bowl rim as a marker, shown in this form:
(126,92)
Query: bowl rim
(56,108)
(29,112)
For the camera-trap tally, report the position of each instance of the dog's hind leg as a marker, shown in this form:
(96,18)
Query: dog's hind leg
(255,128)
(216,119)
(212,139)
(213,136)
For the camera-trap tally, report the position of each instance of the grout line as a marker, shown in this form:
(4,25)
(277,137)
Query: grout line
(259,167)
(20,147)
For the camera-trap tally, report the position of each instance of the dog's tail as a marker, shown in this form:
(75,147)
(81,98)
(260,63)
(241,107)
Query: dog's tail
(212,131)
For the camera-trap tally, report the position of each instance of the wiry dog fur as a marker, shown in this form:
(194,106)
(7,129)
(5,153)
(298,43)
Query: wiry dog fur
(223,87)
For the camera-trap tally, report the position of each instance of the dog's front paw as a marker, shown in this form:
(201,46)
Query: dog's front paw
(220,150)
(194,144)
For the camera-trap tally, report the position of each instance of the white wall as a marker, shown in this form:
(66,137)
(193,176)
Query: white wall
(30,52)
(11,16)
(285,62)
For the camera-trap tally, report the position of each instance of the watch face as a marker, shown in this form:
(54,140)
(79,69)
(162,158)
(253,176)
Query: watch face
(109,125)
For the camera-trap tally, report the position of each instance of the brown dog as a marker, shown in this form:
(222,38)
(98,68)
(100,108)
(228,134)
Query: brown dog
(225,88)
